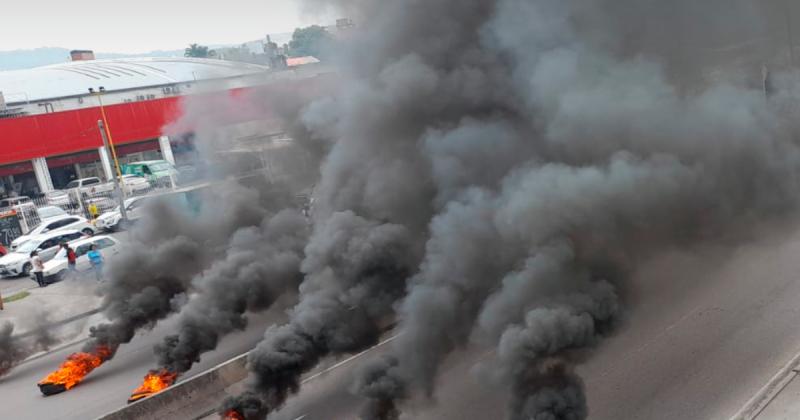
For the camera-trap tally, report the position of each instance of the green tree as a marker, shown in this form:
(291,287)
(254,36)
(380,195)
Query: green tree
(196,50)
(313,40)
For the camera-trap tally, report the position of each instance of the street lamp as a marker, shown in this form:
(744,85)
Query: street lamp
(101,90)
(105,133)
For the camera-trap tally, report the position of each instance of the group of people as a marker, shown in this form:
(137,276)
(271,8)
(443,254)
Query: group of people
(94,255)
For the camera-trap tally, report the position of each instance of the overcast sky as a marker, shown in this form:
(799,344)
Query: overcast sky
(142,25)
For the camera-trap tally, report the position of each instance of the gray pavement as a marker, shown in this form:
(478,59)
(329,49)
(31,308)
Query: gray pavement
(707,328)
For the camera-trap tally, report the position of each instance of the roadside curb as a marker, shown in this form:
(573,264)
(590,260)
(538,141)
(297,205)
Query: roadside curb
(769,391)
(183,394)
(63,322)
(61,346)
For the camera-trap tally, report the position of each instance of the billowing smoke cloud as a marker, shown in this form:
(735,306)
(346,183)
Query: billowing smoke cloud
(354,270)
(16,348)
(526,154)
(261,264)
(236,224)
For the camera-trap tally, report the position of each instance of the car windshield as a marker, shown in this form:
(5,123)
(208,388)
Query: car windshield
(38,229)
(158,167)
(72,184)
(45,212)
(28,246)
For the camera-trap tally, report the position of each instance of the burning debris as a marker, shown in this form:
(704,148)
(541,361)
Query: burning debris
(260,265)
(232,415)
(149,281)
(74,369)
(155,381)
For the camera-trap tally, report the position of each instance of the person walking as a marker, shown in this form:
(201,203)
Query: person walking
(96,259)
(38,268)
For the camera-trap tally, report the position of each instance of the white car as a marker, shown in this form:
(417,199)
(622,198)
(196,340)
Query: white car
(18,262)
(90,186)
(109,220)
(133,184)
(58,198)
(15,202)
(56,267)
(56,224)
(50,212)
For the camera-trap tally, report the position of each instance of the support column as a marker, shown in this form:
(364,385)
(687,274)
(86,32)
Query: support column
(78,170)
(106,162)
(42,173)
(166,149)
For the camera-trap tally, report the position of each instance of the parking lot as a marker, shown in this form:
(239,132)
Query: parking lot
(13,285)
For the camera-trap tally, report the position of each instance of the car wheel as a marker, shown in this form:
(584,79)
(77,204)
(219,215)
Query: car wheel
(26,270)
(88,232)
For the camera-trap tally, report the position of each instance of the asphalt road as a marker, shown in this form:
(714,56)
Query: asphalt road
(706,330)
(108,387)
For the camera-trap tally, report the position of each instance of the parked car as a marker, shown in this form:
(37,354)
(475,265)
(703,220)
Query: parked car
(57,266)
(49,212)
(58,198)
(18,261)
(157,172)
(11,202)
(90,186)
(110,220)
(57,224)
(134,184)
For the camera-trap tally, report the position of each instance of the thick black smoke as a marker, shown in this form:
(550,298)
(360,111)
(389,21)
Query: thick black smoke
(260,265)
(531,152)
(354,270)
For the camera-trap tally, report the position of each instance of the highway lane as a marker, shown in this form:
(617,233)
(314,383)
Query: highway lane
(108,387)
(706,329)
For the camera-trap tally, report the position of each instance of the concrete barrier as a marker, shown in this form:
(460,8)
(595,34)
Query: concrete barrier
(187,399)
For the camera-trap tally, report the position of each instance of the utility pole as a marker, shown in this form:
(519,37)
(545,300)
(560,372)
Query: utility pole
(117,188)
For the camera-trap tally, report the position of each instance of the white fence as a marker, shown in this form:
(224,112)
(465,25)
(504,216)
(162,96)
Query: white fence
(87,204)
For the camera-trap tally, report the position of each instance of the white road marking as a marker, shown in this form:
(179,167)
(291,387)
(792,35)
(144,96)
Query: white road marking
(349,359)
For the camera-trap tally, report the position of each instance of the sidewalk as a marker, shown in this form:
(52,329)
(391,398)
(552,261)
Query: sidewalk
(57,302)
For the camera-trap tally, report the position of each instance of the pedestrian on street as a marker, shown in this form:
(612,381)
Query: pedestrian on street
(71,257)
(96,259)
(93,212)
(38,268)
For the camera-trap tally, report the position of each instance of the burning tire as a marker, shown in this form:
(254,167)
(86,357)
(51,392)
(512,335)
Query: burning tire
(52,389)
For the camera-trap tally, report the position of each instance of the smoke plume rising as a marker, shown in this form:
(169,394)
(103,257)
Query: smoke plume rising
(260,265)
(173,245)
(527,154)
(16,348)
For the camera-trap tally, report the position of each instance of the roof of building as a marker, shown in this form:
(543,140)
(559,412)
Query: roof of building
(75,78)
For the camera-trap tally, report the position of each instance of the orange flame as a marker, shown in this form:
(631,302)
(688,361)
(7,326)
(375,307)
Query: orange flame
(76,367)
(154,381)
(232,415)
